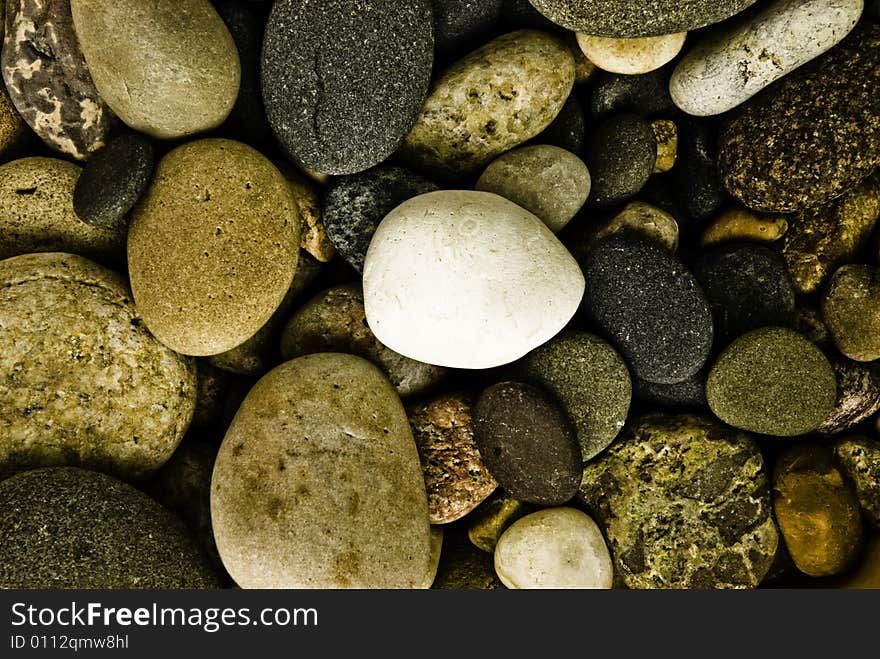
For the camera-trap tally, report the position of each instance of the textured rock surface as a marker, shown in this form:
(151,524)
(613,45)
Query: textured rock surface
(631,56)
(684,503)
(644,219)
(492,517)
(313,236)
(859,459)
(620,154)
(666,134)
(13,131)
(737,224)
(646,94)
(461,24)
(858,395)
(851,309)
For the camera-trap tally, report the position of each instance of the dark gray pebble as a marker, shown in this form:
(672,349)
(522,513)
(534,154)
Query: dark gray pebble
(646,94)
(462,25)
(695,177)
(568,129)
(521,15)
(688,394)
(620,155)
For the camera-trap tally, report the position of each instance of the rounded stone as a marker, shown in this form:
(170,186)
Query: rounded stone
(167,68)
(650,306)
(631,56)
(724,70)
(620,154)
(317,483)
(741,224)
(687,394)
(666,134)
(646,94)
(355,205)
(66,528)
(817,511)
(113,180)
(589,379)
(343,81)
(86,384)
(467,280)
(646,220)
(695,180)
(858,395)
(36,213)
(494,99)
(851,309)
(554,548)
(456,478)
(859,458)
(212,246)
(684,503)
(772,381)
(492,517)
(461,24)
(546,180)
(527,443)
(335,321)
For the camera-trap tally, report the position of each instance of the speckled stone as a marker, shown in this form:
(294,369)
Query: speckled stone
(313,236)
(36,213)
(772,381)
(568,129)
(492,517)
(858,395)
(343,80)
(646,94)
(213,386)
(113,180)
(355,205)
(851,309)
(646,220)
(741,224)
(687,394)
(589,379)
(212,246)
(527,443)
(631,56)
(695,180)
(817,511)
(650,305)
(167,68)
(335,321)
(71,528)
(317,483)
(48,79)
(819,240)
(811,137)
(666,134)
(85,383)
(13,130)
(463,566)
(859,458)
(488,102)
(684,503)
(456,478)
(459,25)
(620,154)
(809,322)
(636,18)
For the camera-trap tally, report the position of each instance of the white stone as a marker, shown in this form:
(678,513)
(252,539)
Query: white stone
(554,548)
(631,56)
(467,280)
(724,70)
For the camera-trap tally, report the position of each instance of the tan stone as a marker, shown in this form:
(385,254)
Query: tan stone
(666,134)
(645,219)
(742,224)
(631,56)
(313,235)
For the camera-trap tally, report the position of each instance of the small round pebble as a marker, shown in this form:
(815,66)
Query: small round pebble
(741,224)
(620,154)
(859,459)
(646,220)
(631,56)
(858,395)
(554,548)
(851,309)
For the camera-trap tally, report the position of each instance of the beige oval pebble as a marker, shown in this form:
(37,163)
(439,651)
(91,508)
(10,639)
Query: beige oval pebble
(168,68)
(631,56)
(645,219)
(212,246)
(554,548)
(743,224)
(317,483)
(84,382)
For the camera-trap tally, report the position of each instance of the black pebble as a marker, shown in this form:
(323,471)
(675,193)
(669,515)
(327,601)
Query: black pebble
(696,182)
(113,180)
(687,394)
(568,129)
(462,25)
(521,15)
(648,303)
(620,155)
(646,94)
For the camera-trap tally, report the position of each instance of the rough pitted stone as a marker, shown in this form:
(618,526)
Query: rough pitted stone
(666,134)
(851,309)
(858,395)
(684,503)
(859,459)
(313,236)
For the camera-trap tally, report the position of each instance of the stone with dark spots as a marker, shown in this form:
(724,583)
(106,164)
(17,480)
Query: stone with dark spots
(113,180)
(859,458)
(461,25)
(48,79)
(620,155)
(646,94)
(650,305)
(343,81)
(527,443)
(687,394)
(684,503)
(696,182)
(569,128)
(858,395)
(813,136)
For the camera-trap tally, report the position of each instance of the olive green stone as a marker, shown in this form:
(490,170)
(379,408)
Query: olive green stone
(492,518)
(772,381)
(859,458)
(12,129)
(851,308)
(742,224)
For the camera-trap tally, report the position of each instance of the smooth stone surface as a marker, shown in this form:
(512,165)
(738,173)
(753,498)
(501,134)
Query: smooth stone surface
(287,512)
(13,131)
(113,180)
(167,68)
(492,517)
(772,381)
(589,379)
(86,384)
(695,180)
(313,236)
(636,18)
(457,278)
(620,154)
(817,511)
(495,98)
(747,286)
(858,395)
(71,528)
(687,394)
(527,443)
(646,220)
(434,562)
(461,24)
(646,94)
(741,224)
(550,182)
(724,70)
(36,213)
(335,321)
(650,305)
(684,503)
(343,80)
(554,548)
(859,458)
(355,205)
(212,246)
(631,56)
(48,79)
(851,309)
(456,478)
(666,134)
(568,129)
(813,136)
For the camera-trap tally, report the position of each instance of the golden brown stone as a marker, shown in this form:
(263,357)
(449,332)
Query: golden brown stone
(313,235)
(492,518)
(742,224)
(666,134)
(645,219)
(12,128)
(866,573)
